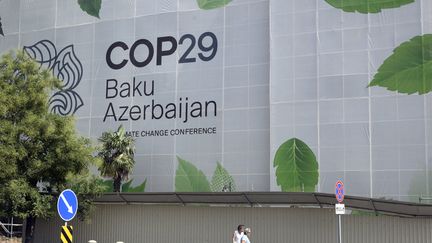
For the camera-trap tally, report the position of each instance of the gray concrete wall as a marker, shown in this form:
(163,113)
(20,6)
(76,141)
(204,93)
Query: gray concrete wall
(141,223)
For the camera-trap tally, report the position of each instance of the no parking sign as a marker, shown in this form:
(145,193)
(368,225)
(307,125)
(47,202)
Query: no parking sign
(340,192)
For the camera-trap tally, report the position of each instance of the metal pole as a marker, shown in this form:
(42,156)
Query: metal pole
(12,225)
(339,229)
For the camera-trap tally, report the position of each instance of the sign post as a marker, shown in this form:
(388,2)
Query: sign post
(67,207)
(66,235)
(340,207)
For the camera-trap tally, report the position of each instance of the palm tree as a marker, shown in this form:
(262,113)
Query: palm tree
(117,155)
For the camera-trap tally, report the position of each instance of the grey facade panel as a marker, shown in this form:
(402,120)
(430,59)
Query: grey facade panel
(144,223)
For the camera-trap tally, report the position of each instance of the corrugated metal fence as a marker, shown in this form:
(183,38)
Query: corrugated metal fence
(177,224)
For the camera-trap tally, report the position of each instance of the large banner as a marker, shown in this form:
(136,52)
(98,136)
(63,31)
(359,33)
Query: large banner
(245,95)
(350,97)
(189,80)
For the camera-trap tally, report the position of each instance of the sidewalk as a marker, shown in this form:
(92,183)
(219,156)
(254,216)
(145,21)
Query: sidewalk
(9,240)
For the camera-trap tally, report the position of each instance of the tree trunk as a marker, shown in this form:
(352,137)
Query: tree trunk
(117,184)
(29,229)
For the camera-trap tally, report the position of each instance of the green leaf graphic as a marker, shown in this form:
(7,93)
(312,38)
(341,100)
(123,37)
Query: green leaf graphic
(367,6)
(222,181)
(91,7)
(212,4)
(126,187)
(296,167)
(108,185)
(189,178)
(409,69)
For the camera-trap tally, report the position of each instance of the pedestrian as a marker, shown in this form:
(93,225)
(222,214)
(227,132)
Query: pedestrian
(247,234)
(238,234)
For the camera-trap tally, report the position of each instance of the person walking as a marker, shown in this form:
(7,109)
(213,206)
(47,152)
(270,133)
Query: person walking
(238,234)
(247,234)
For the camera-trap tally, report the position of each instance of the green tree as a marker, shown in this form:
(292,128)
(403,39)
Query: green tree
(117,155)
(35,145)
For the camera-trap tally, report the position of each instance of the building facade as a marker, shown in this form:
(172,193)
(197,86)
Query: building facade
(245,95)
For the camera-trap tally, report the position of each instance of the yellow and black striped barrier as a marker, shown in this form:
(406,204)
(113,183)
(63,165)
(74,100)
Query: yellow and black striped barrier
(66,234)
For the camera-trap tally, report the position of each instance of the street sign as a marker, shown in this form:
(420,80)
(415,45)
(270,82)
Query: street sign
(67,205)
(66,235)
(340,208)
(340,193)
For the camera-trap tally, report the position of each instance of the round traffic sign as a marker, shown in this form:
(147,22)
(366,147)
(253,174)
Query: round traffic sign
(67,205)
(340,193)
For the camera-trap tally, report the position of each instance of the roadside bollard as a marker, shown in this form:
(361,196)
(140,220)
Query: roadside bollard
(92,241)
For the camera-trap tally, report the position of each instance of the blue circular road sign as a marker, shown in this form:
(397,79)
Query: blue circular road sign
(67,205)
